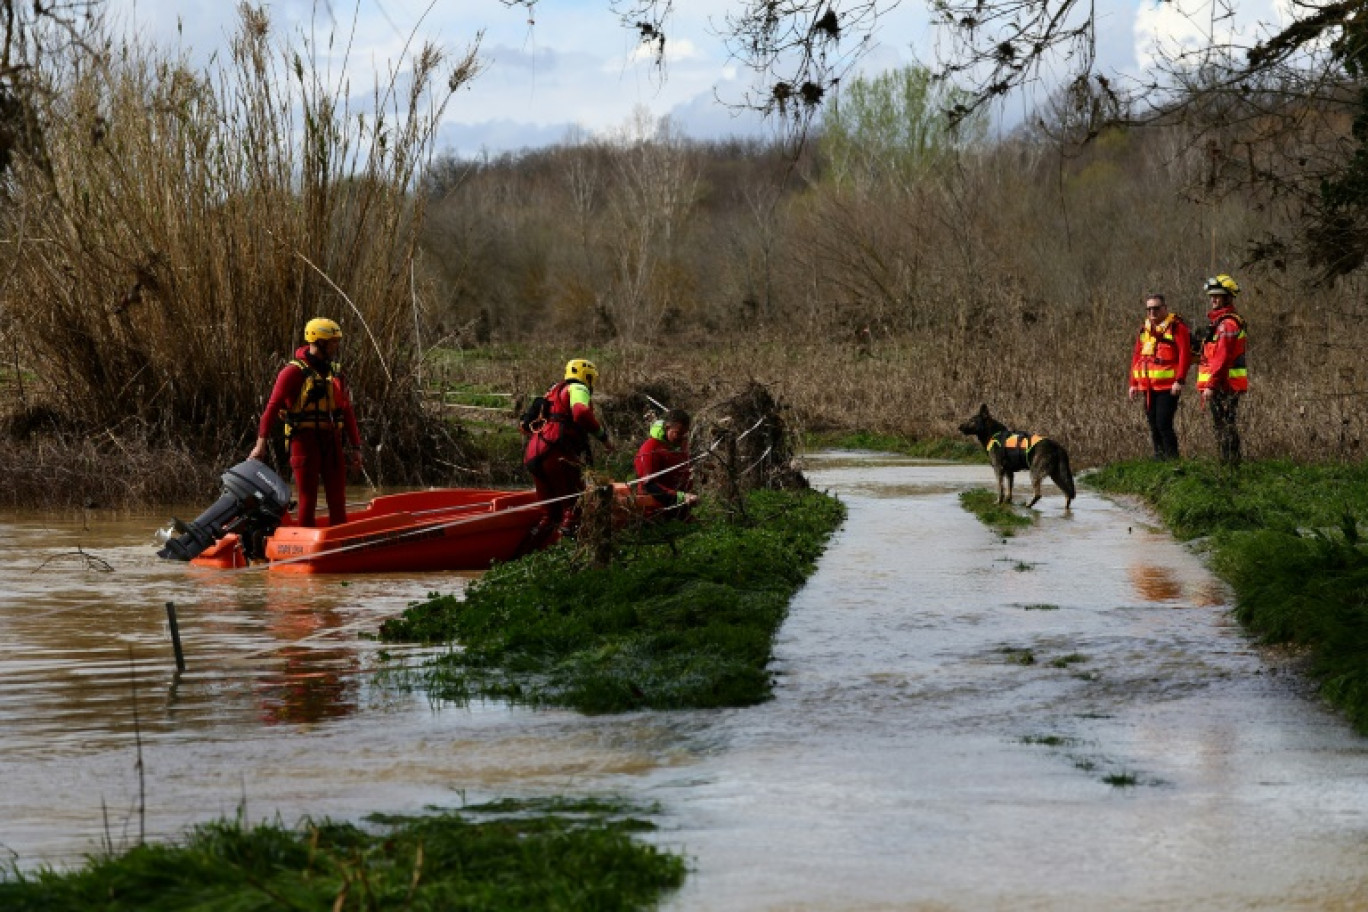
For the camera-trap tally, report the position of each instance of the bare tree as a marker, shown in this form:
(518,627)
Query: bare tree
(655,191)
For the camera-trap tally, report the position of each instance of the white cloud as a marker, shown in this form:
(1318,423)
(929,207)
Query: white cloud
(1168,29)
(675,51)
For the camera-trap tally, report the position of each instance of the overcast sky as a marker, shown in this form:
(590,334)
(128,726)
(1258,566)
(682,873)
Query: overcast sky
(575,66)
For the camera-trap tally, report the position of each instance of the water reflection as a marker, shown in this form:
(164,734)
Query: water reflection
(86,638)
(309,683)
(1155,583)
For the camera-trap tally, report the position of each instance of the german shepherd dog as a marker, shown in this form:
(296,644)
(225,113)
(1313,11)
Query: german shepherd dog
(1011,452)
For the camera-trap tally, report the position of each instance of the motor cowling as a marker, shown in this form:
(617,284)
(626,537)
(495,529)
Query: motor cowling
(253,502)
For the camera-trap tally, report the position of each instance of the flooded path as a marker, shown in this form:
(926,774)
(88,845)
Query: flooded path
(913,759)
(1065,719)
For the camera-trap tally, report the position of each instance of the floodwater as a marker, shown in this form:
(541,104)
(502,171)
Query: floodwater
(1064,719)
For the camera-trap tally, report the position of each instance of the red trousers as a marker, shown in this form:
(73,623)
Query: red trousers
(318,454)
(556,474)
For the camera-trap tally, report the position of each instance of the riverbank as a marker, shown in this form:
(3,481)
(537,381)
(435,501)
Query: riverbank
(1289,538)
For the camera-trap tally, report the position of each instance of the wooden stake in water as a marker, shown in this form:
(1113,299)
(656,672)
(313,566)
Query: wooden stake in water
(175,635)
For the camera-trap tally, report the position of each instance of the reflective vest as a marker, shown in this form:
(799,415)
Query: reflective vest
(1161,355)
(1223,355)
(1016,448)
(321,400)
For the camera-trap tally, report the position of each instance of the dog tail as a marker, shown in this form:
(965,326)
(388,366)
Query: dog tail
(1066,479)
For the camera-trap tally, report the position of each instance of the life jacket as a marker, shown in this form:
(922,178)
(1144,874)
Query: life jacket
(322,399)
(1235,374)
(1016,448)
(1157,366)
(557,424)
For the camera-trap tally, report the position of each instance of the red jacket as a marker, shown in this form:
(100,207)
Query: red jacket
(1223,356)
(289,386)
(1162,354)
(656,455)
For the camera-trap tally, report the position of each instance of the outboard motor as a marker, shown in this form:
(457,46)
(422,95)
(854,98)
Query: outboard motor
(253,502)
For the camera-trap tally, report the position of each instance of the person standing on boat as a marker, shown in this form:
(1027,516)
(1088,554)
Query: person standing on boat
(558,430)
(663,464)
(312,399)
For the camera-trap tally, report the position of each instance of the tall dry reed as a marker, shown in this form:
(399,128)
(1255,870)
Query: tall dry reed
(191,222)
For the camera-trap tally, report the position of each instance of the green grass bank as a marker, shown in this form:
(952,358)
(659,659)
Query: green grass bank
(1288,538)
(559,854)
(684,617)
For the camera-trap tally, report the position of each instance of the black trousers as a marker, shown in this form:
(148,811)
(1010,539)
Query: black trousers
(1224,410)
(1160,409)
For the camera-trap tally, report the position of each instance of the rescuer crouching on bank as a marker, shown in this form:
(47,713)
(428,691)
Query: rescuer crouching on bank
(662,462)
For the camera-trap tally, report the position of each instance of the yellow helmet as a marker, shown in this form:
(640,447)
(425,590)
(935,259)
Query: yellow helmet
(1222,285)
(581,370)
(320,328)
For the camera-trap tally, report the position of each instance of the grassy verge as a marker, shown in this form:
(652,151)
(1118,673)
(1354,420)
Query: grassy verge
(1287,538)
(684,617)
(559,855)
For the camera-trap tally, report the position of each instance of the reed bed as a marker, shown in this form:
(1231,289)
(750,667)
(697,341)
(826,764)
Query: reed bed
(182,227)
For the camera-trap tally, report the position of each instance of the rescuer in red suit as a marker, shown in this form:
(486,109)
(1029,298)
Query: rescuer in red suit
(663,461)
(312,399)
(558,446)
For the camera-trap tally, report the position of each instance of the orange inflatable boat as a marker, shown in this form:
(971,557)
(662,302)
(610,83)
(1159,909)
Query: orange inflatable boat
(441,529)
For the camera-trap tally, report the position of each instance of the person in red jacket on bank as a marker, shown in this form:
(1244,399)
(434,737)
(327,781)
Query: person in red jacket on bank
(1159,366)
(312,399)
(663,463)
(1222,376)
(558,447)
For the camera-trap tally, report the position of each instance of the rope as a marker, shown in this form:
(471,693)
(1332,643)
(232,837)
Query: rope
(464,520)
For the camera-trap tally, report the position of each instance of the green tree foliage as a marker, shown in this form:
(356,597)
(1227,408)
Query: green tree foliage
(1339,232)
(892,129)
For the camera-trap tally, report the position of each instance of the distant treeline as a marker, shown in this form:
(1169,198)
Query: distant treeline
(892,287)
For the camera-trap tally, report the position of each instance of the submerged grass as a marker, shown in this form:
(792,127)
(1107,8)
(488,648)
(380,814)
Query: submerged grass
(1287,538)
(1004,518)
(566,855)
(684,617)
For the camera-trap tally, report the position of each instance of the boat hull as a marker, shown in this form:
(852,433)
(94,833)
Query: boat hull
(442,529)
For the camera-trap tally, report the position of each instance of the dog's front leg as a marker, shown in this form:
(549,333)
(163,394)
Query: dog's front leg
(1008,478)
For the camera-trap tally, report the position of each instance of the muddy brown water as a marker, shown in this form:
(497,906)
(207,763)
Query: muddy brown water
(1065,719)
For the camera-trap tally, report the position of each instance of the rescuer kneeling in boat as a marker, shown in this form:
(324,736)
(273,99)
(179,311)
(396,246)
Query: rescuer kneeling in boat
(312,399)
(558,427)
(662,463)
